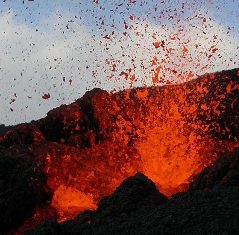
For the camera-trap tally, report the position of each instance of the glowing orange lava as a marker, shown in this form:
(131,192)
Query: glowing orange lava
(169,133)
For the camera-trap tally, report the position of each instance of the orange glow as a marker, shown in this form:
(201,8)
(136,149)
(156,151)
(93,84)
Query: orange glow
(69,201)
(169,133)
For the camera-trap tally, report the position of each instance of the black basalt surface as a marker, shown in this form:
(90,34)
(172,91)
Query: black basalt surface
(22,187)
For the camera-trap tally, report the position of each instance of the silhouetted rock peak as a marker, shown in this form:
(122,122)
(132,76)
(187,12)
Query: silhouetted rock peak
(134,193)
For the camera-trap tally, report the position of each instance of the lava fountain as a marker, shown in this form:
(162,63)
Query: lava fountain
(169,133)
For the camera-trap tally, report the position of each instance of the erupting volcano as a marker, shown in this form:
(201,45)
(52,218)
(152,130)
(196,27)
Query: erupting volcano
(80,153)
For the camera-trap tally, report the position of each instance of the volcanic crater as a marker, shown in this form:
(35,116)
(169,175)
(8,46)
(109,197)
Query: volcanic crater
(174,147)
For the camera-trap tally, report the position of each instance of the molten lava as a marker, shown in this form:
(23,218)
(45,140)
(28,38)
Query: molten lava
(169,133)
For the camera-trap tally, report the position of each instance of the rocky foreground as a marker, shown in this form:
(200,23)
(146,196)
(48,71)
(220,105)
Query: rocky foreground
(210,206)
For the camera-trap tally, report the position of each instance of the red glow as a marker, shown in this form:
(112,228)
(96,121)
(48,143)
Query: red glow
(164,132)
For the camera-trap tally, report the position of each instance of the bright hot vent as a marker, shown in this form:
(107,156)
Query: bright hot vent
(84,150)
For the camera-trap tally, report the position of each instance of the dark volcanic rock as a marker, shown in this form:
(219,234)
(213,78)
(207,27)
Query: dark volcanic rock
(46,228)
(23,134)
(197,212)
(224,172)
(4,129)
(22,188)
(74,124)
(134,193)
(61,122)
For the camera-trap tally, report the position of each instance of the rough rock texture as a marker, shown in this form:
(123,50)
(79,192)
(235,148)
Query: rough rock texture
(224,172)
(4,129)
(197,212)
(22,187)
(74,124)
(133,192)
(23,134)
